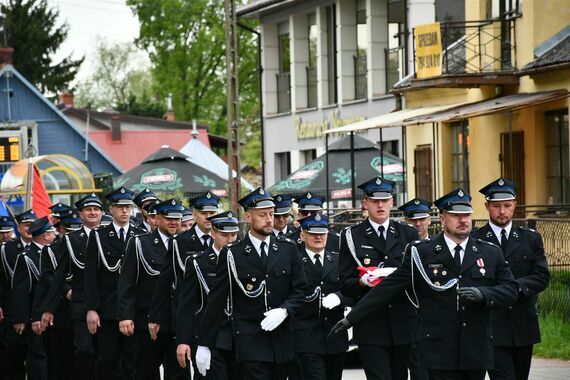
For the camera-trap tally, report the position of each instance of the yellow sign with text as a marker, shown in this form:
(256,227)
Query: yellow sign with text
(428,50)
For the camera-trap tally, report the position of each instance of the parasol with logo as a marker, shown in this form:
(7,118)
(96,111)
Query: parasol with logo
(169,170)
(367,164)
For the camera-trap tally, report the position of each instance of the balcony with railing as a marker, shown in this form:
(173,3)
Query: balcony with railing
(283,92)
(474,53)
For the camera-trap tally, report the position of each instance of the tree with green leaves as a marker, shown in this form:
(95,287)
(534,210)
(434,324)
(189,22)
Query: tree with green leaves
(121,80)
(185,41)
(32,29)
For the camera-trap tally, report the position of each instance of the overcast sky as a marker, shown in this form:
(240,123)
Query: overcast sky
(87,19)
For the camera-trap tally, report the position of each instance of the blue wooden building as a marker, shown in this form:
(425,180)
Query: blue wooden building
(26,116)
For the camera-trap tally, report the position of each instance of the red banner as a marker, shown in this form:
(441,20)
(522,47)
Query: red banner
(40,197)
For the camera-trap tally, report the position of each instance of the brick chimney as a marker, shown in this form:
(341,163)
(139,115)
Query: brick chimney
(169,110)
(6,55)
(66,99)
(116,127)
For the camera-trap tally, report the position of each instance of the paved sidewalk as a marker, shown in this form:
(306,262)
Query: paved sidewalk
(542,369)
(549,369)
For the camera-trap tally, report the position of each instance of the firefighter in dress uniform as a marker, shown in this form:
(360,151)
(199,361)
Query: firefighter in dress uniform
(105,250)
(319,357)
(199,278)
(369,251)
(165,296)
(515,327)
(144,256)
(24,283)
(456,281)
(261,282)
(73,250)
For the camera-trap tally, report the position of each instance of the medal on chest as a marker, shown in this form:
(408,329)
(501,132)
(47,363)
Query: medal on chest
(481,265)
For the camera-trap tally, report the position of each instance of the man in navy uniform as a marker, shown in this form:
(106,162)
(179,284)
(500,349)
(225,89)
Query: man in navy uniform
(283,203)
(264,279)
(165,296)
(26,276)
(6,232)
(105,251)
(143,199)
(311,204)
(456,280)
(144,257)
(57,210)
(198,280)
(416,213)
(378,242)
(187,220)
(58,339)
(9,251)
(70,272)
(515,327)
(319,356)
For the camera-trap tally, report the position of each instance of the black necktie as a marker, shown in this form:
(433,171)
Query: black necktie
(263,254)
(381,235)
(458,256)
(504,239)
(122,234)
(206,241)
(318,264)
(280,233)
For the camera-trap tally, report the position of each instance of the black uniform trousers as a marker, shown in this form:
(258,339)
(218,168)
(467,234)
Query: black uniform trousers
(511,363)
(14,368)
(455,375)
(383,361)
(58,343)
(264,371)
(117,353)
(151,354)
(36,363)
(84,354)
(310,366)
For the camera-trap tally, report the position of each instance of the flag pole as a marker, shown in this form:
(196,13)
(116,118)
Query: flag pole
(29,154)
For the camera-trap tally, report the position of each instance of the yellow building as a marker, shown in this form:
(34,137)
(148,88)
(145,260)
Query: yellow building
(507,78)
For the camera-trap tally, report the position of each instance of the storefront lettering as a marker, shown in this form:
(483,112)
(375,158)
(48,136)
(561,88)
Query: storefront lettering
(313,130)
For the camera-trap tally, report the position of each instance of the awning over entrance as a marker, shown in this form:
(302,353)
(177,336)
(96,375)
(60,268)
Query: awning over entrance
(486,107)
(61,174)
(393,119)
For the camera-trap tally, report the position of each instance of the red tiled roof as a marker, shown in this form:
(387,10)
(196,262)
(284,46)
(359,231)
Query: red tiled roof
(135,146)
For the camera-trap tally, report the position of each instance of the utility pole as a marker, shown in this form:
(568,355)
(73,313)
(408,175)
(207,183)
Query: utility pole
(232,103)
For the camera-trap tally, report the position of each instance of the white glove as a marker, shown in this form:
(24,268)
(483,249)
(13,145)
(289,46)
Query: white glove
(368,279)
(331,301)
(273,318)
(203,357)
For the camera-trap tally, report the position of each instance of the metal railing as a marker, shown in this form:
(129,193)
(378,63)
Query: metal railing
(360,77)
(311,87)
(473,47)
(283,92)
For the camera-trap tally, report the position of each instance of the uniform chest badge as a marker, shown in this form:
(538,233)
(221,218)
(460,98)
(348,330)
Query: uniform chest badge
(112,233)
(274,246)
(437,248)
(475,249)
(489,234)
(481,265)
(82,234)
(366,261)
(253,279)
(249,287)
(248,248)
(155,241)
(515,234)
